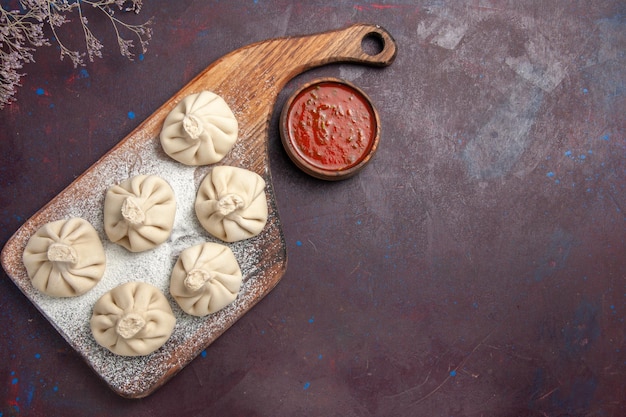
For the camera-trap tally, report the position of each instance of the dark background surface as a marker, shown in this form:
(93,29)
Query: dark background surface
(476,267)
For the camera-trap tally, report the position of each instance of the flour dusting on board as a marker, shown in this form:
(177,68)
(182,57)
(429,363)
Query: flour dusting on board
(136,376)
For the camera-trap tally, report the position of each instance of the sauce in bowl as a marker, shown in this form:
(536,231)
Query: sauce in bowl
(330,129)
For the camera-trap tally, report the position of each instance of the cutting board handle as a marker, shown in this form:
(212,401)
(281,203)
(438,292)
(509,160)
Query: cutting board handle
(261,69)
(348,45)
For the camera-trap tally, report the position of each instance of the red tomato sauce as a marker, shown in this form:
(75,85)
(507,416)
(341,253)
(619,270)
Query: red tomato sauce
(332,125)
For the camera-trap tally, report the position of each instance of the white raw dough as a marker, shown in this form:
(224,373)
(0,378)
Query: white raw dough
(205,279)
(231,203)
(200,130)
(139,213)
(133,319)
(65,258)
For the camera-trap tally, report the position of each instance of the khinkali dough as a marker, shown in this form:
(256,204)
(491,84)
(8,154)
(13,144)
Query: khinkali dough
(132,319)
(200,130)
(231,203)
(205,279)
(65,258)
(139,212)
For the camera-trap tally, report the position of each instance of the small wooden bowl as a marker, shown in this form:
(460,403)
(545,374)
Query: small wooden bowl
(330,129)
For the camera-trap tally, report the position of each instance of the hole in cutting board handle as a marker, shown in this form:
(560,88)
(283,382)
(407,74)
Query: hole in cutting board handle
(373,43)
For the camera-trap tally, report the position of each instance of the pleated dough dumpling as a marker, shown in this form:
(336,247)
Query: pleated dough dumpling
(139,213)
(231,203)
(205,279)
(200,130)
(132,319)
(65,258)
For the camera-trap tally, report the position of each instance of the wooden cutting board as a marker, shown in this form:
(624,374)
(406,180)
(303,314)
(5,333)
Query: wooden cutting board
(249,79)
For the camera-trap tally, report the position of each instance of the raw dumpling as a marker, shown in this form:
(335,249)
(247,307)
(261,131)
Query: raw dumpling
(205,279)
(65,258)
(139,212)
(132,319)
(231,203)
(200,130)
